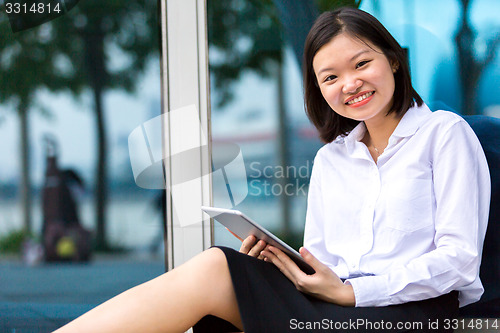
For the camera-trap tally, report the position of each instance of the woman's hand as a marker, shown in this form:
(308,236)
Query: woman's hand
(253,247)
(324,284)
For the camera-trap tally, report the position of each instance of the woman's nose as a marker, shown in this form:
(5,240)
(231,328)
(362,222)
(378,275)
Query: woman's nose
(351,86)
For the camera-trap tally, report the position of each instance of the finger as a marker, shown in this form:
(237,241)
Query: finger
(256,250)
(318,266)
(283,257)
(247,244)
(294,273)
(271,257)
(311,259)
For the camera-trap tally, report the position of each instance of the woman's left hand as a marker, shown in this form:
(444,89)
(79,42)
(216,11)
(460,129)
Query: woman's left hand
(324,284)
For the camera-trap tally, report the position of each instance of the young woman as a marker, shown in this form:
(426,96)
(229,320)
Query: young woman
(397,212)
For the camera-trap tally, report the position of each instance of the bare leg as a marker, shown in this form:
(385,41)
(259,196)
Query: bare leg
(173,302)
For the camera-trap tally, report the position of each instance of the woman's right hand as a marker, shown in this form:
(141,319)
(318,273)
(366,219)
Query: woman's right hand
(253,247)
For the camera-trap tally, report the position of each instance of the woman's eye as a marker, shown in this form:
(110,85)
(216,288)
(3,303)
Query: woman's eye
(330,78)
(362,63)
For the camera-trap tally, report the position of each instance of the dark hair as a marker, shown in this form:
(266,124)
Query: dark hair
(367,28)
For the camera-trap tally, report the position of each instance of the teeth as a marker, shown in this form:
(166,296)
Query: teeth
(360,98)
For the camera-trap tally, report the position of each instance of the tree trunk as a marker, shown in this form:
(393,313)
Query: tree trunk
(25,186)
(284,156)
(297,17)
(101,174)
(95,57)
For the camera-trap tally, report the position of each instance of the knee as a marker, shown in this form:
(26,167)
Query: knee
(215,257)
(210,264)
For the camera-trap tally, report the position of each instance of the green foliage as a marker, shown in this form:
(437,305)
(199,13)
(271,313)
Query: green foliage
(59,55)
(247,35)
(13,241)
(72,54)
(243,36)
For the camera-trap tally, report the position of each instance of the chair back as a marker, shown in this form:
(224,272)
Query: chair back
(487,130)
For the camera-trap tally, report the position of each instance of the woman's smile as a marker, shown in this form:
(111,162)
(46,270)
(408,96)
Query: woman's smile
(355,78)
(360,99)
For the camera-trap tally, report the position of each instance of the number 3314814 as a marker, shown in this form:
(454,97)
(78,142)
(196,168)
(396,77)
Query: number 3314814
(34,8)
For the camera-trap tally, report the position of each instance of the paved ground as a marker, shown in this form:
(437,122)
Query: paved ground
(43,297)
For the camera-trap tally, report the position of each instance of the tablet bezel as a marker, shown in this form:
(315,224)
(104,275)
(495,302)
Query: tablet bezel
(243,226)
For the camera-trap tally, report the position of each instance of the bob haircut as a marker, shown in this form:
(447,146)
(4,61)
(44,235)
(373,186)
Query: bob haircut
(365,27)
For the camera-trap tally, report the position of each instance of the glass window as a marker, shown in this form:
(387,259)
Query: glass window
(256,96)
(256,88)
(452,47)
(75,229)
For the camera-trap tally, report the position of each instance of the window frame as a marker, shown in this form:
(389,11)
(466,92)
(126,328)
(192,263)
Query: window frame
(185,81)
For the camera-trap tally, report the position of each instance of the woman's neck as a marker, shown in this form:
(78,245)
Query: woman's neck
(378,132)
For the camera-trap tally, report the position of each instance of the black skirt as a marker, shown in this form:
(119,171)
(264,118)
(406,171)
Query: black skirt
(269,302)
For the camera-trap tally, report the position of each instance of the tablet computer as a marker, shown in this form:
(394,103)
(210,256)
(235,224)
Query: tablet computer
(242,226)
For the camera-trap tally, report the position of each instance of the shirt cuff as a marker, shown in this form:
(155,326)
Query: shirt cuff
(370,290)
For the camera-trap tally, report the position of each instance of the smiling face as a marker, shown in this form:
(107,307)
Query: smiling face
(355,78)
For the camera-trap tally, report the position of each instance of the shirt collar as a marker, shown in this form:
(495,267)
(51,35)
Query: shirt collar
(353,138)
(357,133)
(411,121)
(408,125)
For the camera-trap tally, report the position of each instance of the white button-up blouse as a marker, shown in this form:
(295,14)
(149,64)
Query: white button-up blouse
(412,225)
